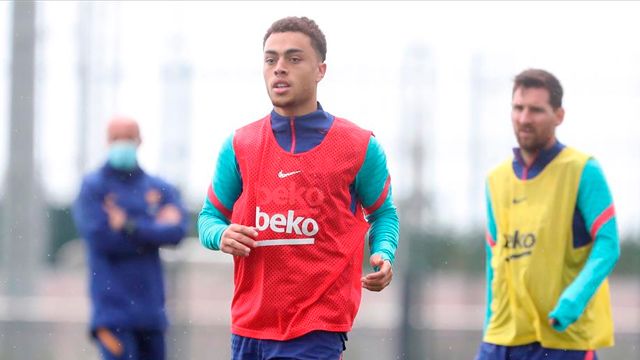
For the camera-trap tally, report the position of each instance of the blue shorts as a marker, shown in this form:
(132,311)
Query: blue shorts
(533,351)
(316,345)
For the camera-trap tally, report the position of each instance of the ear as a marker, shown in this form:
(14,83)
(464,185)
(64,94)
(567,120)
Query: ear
(559,112)
(322,69)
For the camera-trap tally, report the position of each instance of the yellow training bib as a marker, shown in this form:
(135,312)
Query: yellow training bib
(534,260)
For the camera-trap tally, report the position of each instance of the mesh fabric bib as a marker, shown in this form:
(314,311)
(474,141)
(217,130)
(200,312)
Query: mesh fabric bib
(305,273)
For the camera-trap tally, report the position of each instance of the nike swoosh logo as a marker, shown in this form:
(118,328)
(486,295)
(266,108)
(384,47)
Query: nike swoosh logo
(283,175)
(517,256)
(518,200)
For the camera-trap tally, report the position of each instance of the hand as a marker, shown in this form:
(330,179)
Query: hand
(380,279)
(169,215)
(117,216)
(238,240)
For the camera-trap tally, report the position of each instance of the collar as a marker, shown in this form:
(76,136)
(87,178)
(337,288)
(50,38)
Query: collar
(544,157)
(317,121)
(122,174)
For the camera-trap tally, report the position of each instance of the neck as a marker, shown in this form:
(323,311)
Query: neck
(299,110)
(530,156)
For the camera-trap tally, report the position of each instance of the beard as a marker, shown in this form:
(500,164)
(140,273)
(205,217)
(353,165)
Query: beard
(532,143)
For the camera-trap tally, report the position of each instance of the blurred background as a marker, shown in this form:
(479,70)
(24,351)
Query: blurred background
(431,79)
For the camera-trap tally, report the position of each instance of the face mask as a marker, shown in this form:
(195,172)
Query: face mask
(122,154)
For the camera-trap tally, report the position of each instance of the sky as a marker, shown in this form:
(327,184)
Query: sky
(470,53)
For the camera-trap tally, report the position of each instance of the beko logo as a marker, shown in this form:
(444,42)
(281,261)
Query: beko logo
(523,242)
(289,223)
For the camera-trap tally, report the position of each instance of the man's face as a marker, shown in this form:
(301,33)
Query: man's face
(292,70)
(534,120)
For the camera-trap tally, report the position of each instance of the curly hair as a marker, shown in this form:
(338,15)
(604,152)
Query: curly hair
(303,25)
(538,78)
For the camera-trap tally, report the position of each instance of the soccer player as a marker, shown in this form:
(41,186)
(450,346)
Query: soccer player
(125,215)
(552,239)
(288,200)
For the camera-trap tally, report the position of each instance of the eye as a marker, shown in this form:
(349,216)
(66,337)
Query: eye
(269,61)
(295,59)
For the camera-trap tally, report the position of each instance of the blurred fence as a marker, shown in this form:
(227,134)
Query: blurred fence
(52,324)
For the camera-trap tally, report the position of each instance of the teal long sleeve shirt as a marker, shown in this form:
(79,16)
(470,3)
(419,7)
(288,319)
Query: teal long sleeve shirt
(369,186)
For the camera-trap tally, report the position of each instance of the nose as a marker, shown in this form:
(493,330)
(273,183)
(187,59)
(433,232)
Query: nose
(280,68)
(524,116)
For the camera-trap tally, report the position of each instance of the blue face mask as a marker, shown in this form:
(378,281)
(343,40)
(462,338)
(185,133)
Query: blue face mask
(122,155)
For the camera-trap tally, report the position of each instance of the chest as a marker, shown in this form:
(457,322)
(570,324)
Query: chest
(138,197)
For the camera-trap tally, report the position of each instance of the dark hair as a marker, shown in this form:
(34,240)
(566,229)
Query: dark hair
(538,78)
(303,25)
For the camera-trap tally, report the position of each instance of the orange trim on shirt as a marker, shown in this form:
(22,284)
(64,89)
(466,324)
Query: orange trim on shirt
(605,216)
(489,239)
(218,205)
(385,191)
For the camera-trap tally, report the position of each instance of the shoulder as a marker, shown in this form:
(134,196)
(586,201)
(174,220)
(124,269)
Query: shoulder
(94,186)
(592,171)
(347,124)
(252,126)
(350,130)
(374,148)
(249,133)
(593,165)
(95,178)
(504,167)
(572,155)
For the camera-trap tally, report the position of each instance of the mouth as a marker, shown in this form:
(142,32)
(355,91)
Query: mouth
(280,87)
(525,131)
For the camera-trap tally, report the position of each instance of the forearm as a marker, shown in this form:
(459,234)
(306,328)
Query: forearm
(373,187)
(385,231)
(149,232)
(489,287)
(211,225)
(600,263)
(224,190)
(490,242)
(93,225)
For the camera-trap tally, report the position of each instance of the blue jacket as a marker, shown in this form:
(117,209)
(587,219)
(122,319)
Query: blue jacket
(125,271)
